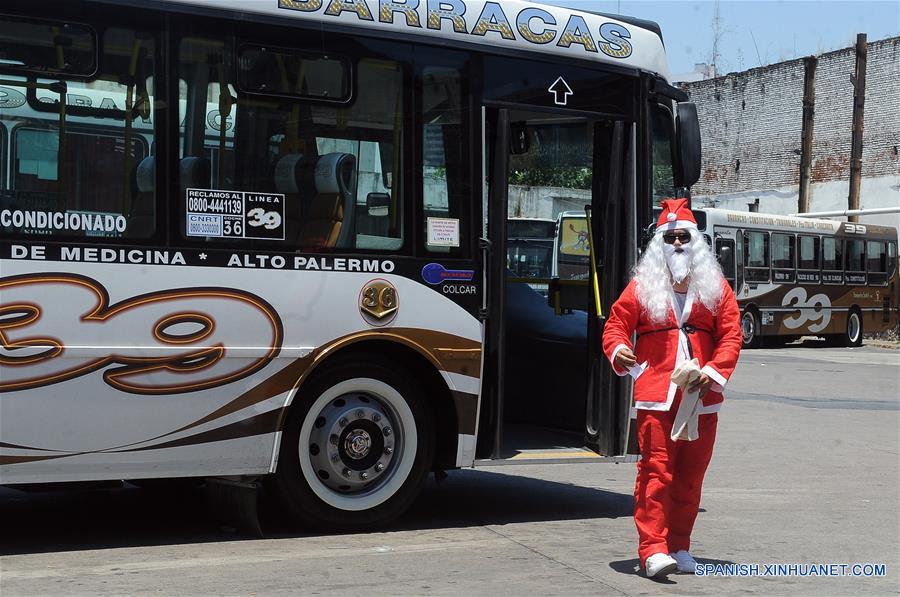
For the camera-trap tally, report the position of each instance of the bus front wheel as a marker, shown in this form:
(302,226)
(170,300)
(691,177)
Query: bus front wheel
(854,332)
(356,447)
(750,331)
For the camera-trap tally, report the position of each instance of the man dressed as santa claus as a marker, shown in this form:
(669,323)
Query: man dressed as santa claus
(687,324)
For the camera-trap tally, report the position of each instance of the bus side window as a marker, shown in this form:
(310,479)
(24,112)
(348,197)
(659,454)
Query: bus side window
(445,176)
(756,256)
(783,263)
(662,155)
(855,261)
(877,262)
(725,255)
(300,134)
(77,172)
(891,259)
(808,264)
(832,261)
(205,93)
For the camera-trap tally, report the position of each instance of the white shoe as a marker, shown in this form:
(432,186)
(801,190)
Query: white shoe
(660,564)
(686,562)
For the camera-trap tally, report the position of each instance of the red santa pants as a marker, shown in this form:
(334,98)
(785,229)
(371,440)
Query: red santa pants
(669,478)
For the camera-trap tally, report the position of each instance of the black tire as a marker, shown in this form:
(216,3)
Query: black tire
(374,470)
(750,329)
(853,333)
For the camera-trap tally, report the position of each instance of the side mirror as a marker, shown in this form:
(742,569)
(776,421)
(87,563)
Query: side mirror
(687,136)
(378,204)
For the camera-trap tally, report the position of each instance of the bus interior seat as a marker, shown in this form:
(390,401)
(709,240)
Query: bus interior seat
(194,173)
(142,219)
(293,179)
(329,222)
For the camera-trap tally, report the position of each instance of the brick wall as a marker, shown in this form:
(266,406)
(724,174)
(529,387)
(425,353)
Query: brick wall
(751,122)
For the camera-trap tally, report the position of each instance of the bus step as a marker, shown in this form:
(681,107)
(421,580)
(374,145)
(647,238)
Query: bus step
(554,456)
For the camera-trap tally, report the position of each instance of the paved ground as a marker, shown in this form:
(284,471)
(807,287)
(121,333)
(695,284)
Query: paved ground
(806,470)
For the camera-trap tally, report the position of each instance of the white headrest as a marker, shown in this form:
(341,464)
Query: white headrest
(286,175)
(334,173)
(145,177)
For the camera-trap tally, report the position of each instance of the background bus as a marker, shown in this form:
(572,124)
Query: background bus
(806,277)
(529,250)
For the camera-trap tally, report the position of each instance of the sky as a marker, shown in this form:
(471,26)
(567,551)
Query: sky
(754,32)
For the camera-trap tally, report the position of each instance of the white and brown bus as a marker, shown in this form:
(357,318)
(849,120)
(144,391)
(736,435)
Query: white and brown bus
(315,293)
(796,276)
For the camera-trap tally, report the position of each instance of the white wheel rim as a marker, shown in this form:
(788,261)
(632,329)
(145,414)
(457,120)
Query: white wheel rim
(748,327)
(402,422)
(853,327)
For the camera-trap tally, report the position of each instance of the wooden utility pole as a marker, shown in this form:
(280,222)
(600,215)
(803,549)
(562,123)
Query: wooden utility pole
(809,111)
(859,103)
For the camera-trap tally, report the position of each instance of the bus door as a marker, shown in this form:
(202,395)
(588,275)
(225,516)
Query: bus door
(543,376)
(725,252)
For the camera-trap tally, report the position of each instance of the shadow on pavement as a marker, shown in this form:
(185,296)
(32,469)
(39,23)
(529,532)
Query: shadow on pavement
(474,498)
(175,513)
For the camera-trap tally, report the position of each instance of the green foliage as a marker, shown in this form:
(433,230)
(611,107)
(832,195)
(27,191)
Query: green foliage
(569,177)
(663,182)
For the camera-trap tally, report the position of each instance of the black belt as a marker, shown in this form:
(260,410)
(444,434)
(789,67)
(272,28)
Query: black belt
(687,329)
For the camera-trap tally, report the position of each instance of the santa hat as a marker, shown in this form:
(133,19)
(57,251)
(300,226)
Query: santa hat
(675,216)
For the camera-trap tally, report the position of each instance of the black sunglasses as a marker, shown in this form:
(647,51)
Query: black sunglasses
(684,237)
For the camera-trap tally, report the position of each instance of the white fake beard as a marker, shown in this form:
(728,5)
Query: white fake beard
(679,262)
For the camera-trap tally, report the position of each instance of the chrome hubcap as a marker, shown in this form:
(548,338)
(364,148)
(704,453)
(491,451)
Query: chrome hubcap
(357,444)
(354,443)
(854,327)
(747,327)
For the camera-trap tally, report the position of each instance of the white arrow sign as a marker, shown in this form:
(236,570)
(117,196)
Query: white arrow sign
(561,91)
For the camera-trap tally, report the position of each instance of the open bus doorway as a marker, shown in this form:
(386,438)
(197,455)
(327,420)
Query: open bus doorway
(551,162)
(540,349)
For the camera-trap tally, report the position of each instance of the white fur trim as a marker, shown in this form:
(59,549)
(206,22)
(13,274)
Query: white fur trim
(613,360)
(678,224)
(681,355)
(647,405)
(685,314)
(717,377)
(688,305)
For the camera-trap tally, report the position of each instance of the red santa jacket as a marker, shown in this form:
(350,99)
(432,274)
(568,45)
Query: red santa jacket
(713,339)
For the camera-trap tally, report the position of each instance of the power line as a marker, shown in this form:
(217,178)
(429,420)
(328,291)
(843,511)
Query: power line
(753,37)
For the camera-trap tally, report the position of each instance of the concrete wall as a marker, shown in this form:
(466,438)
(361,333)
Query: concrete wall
(545,202)
(751,128)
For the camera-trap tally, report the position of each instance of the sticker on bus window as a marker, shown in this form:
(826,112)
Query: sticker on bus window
(575,237)
(443,232)
(234,214)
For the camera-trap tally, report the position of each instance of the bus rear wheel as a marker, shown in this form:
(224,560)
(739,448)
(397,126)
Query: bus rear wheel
(356,447)
(750,331)
(854,332)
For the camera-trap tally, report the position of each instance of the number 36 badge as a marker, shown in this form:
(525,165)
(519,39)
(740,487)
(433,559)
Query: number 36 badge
(378,302)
